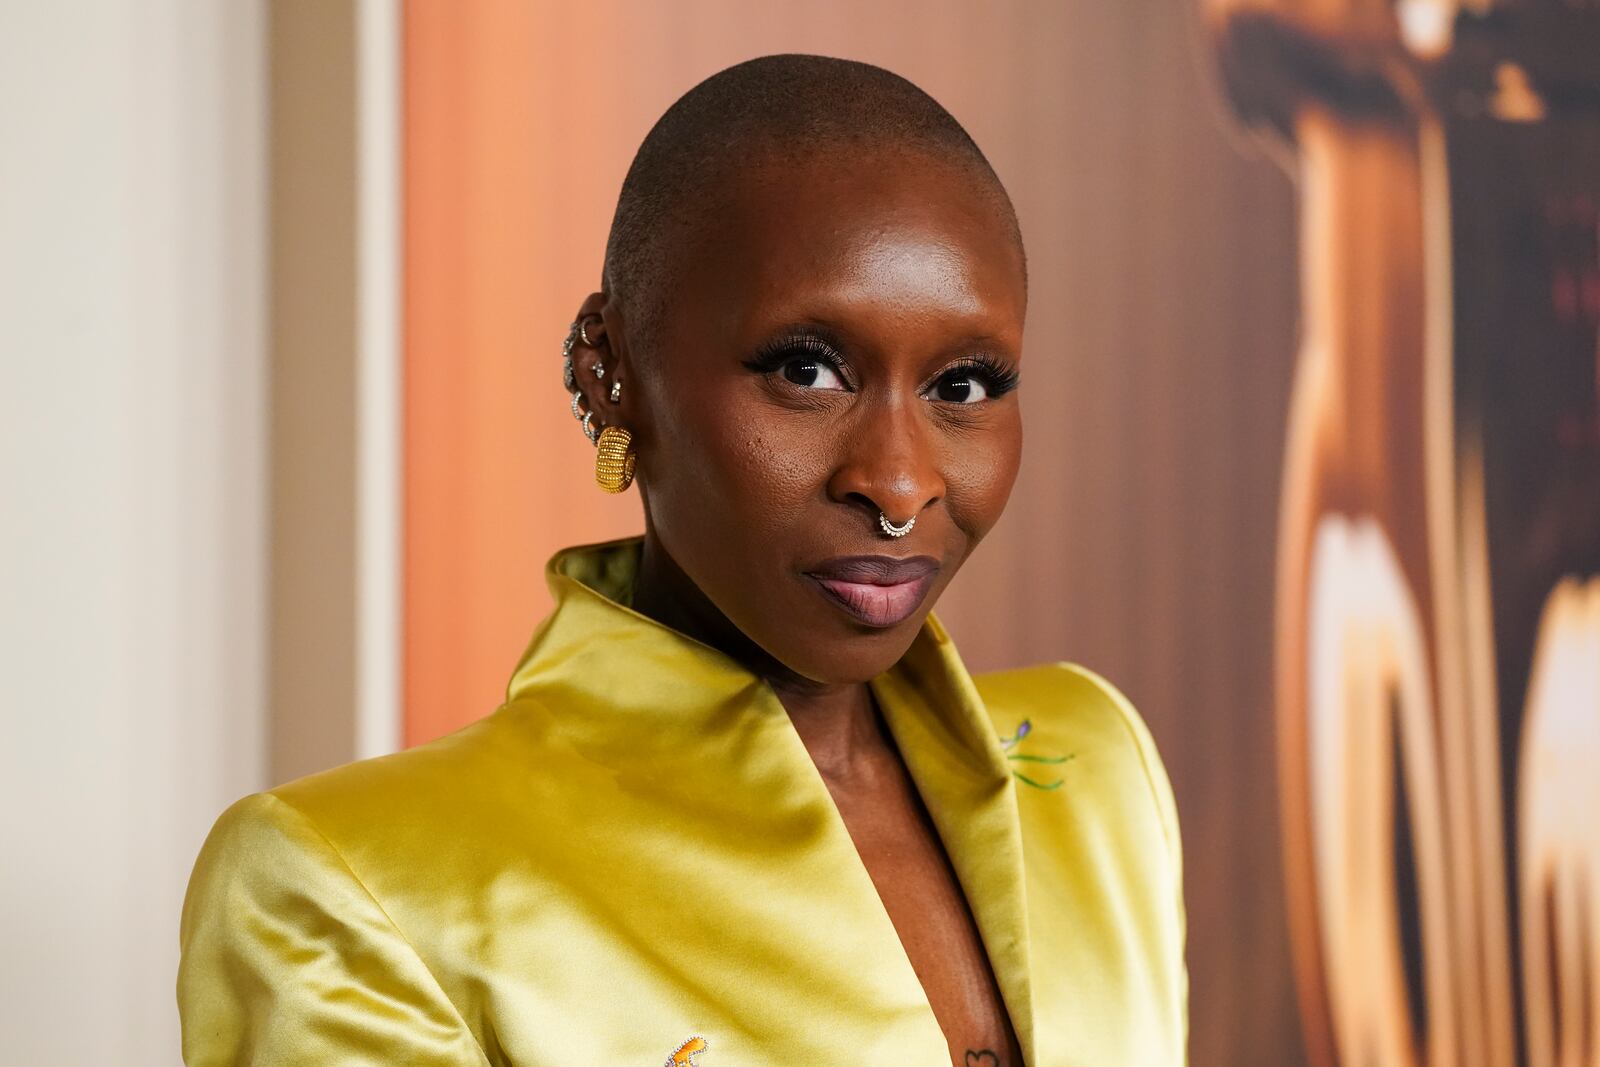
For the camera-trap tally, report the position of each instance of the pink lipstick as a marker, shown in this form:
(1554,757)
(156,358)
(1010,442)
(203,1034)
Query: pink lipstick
(879,591)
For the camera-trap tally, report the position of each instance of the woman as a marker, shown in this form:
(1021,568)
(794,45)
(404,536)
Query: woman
(743,805)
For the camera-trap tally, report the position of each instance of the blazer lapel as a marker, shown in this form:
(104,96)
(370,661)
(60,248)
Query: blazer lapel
(946,738)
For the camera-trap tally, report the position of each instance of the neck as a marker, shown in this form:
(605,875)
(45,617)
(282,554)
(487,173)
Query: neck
(838,722)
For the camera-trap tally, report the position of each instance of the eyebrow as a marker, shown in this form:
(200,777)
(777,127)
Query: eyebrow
(840,335)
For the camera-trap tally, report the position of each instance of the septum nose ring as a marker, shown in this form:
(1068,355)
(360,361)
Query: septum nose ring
(891,529)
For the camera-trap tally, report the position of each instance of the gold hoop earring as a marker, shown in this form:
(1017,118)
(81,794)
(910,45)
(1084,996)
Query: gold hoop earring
(614,459)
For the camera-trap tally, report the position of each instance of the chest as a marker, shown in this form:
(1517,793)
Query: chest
(922,896)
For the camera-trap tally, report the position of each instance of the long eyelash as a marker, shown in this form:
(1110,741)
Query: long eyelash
(998,379)
(781,350)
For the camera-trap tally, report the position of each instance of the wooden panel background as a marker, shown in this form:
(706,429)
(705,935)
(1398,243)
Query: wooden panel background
(1140,540)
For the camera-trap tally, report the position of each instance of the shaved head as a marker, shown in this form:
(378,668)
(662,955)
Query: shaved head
(763,110)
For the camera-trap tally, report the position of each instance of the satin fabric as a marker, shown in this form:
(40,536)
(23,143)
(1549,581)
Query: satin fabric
(636,850)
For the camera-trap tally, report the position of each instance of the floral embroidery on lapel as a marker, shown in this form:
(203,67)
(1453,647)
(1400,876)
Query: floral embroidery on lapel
(684,1055)
(1007,744)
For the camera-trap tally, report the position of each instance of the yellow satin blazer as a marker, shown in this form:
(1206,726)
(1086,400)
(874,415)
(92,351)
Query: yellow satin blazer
(634,861)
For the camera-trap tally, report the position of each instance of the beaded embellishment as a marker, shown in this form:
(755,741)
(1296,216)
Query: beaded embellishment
(1009,744)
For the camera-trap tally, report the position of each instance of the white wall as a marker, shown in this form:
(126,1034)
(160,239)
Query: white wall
(132,489)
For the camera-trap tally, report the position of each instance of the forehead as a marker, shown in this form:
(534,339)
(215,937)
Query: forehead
(898,234)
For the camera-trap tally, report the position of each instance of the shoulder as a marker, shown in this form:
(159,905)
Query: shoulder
(413,779)
(336,854)
(429,797)
(257,835)
(260,854)
(1068,710)
(1100,836)
(286,955)
(1069,700)
(374,822)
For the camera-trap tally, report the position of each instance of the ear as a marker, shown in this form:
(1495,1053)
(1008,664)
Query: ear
(598,363)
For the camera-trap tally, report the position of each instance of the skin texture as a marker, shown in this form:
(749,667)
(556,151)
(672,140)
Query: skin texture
(903,266)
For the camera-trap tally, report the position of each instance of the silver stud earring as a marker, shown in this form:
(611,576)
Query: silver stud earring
(616,390)
(599,369)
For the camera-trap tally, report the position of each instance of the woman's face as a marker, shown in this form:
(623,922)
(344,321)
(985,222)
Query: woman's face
(844,342)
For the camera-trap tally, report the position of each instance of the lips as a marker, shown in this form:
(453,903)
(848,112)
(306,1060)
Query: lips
(879,591)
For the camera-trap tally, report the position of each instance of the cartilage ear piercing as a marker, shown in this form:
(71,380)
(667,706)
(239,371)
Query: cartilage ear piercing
(567,376)
(599,369)
(616,390)
(583,332)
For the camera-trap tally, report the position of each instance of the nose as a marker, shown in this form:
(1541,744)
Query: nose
(890,463)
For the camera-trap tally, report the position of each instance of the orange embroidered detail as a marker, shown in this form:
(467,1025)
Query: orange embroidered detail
(684,1055)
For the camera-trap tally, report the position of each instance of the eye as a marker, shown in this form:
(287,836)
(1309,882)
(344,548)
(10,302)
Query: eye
(803,360)
(812,373)
(974,381)
(961,387)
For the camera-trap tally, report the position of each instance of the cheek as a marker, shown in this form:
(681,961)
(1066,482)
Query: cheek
(979,475)
(779,469)
(725,463)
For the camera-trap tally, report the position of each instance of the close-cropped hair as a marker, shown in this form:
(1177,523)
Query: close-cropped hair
(773,107)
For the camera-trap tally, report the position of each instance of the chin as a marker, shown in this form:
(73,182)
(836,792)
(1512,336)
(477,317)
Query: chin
(849,654)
